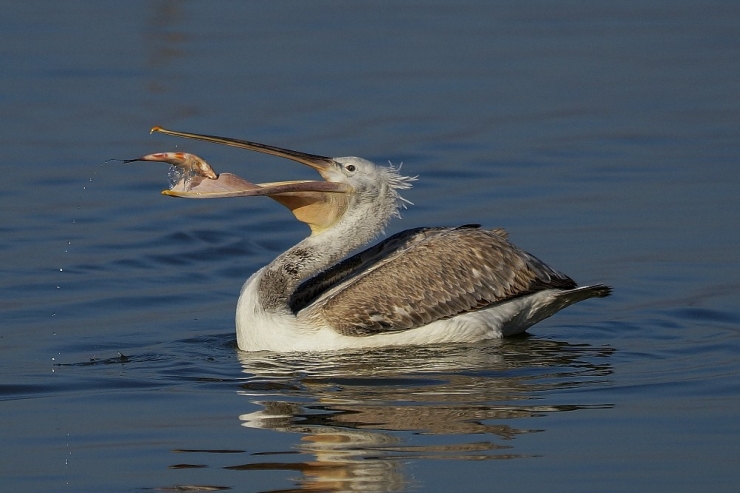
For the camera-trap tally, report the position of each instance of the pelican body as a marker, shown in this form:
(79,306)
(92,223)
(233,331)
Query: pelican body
(420,286)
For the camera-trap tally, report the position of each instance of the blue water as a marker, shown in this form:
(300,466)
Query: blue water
(603,136)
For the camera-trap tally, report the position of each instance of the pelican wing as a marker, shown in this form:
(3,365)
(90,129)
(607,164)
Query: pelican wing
(420,276)
(316,286)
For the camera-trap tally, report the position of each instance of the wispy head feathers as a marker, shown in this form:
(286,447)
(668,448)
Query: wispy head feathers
(397,181)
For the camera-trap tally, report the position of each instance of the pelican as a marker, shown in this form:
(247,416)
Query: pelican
(421,286)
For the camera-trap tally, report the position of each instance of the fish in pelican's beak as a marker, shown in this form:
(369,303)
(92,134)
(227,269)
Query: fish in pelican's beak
(318,203)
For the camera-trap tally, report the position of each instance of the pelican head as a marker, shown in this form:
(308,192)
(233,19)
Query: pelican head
(353,188)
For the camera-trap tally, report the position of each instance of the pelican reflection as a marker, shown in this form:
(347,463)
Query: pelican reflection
(360,416)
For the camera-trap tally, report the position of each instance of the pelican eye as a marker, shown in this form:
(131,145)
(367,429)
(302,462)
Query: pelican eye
(350,168)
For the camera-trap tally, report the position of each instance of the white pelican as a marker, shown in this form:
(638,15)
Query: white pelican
(420,286)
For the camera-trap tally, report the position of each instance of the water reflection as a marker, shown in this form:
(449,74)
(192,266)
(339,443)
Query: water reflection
(358,413)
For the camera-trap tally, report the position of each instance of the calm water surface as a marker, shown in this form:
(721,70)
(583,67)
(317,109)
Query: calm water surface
(604,137)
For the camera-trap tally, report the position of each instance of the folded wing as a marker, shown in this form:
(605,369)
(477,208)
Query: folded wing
(420,276)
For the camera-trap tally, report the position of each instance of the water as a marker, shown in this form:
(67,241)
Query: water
(604,137)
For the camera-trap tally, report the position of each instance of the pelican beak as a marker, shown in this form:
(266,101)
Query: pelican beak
(321,164)
(317,203)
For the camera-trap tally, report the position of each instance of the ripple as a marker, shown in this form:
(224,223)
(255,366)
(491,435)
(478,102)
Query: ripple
(706,314)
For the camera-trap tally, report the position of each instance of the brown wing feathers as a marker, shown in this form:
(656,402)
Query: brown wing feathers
(434,274)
